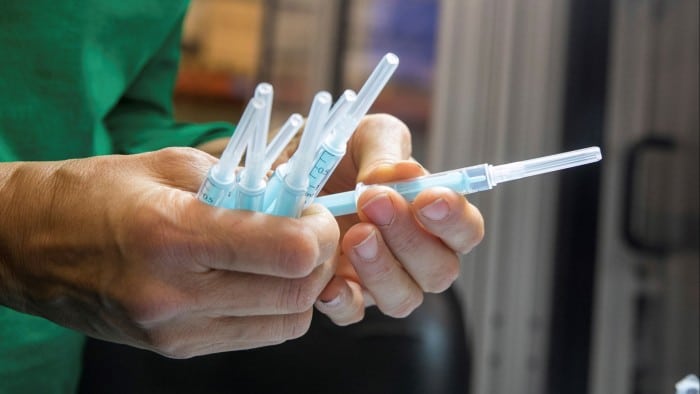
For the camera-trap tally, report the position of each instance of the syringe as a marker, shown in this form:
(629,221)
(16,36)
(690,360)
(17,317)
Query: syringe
(250,190)
(337,113)
(467,180)
(288,130)
(221,178)
(289,199)
(333,147)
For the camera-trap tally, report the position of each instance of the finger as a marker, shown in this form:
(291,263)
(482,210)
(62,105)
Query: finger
(225,293)
(393,290)
(432,264)
(378,143)
(184,339)
(252,242)
(449,216)
(342,301)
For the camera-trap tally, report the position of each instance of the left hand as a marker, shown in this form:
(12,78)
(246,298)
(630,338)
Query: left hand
(393,251)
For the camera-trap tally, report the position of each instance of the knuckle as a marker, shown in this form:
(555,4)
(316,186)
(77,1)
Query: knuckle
(146,303)
(179,160)
(354,316)
(173,155)
(139,310)
(406,305)
(299,253)
(383,272)
(443,278)
(299,296)
(473,238)
(143,311)
(163,342)
(170,153)
(295,326)
(405,241)
(327,243)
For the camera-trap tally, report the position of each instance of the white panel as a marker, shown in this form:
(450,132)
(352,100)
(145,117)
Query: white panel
(653,87)
(498,95)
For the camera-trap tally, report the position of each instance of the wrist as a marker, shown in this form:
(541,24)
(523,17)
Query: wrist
(24,200)
(8,177)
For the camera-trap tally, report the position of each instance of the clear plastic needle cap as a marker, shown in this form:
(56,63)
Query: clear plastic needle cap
(521,169)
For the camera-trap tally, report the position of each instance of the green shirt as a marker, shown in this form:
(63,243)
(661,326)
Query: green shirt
(80,78)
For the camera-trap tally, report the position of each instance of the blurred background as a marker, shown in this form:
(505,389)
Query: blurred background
(587,280)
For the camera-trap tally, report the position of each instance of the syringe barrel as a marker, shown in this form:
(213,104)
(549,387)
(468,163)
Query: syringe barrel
(289,202)
(469,179)
(250,199)
(479,178)
(213,192)
(274,186)
(463,181)
(326,160)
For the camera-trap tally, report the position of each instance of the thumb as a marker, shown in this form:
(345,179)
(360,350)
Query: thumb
(381,149)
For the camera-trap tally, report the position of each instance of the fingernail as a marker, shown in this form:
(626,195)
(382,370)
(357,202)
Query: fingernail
(368,248)
(380,209)
(332,302)
(437,210)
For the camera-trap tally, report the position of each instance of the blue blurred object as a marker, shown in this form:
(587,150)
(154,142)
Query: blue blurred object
(407,28)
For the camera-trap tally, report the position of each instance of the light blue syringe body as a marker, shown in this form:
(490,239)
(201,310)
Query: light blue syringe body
(250,190)
(329,153)
(290,200)
(325,161)
(469,179)
(327,158)
(217,189)
(323,164)
(274,187)
(333,148)
(463,181)
(214,192)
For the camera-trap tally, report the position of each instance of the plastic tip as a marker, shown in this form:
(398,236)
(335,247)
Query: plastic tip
(296,120)
(391,58)
(544,164)
(349,95)
(323,97)
(263,88)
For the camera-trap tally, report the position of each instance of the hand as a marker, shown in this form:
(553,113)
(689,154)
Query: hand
(393,251)
(118,247)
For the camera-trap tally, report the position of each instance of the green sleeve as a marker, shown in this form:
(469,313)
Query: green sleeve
(143,118)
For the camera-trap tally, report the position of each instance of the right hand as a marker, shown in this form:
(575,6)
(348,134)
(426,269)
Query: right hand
(118,247)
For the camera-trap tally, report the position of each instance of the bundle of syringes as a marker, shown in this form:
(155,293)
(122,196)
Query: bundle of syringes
(295,184)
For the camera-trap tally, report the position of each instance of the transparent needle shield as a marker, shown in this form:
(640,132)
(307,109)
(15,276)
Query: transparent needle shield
(469,179)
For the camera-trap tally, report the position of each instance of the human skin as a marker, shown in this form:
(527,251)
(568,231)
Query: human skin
(118,247)
(394,251)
